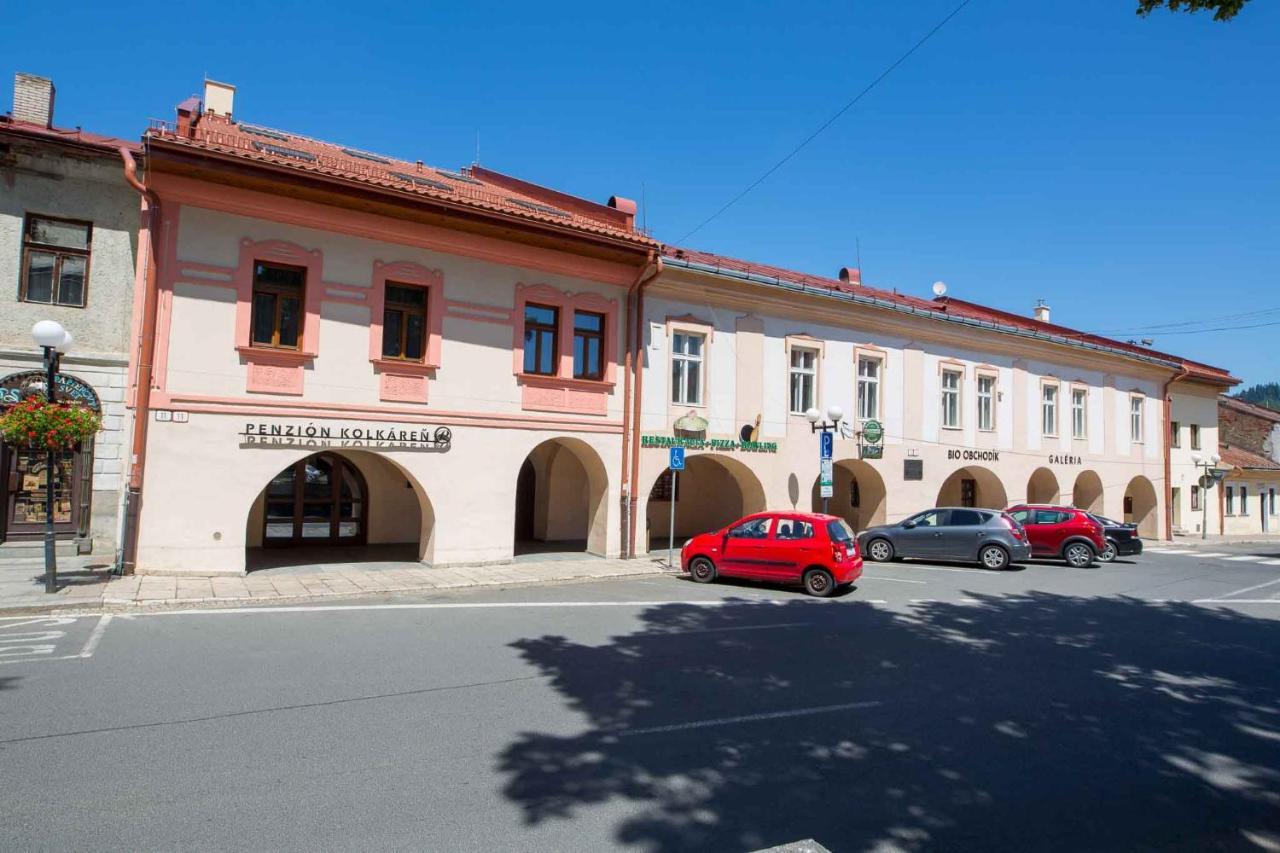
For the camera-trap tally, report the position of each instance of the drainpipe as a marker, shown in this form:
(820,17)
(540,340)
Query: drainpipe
(146,345)
(626,406)
(636,340)
(1168,452)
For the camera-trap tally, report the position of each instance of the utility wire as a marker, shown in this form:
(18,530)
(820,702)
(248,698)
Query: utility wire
(812,136)
(1159,327)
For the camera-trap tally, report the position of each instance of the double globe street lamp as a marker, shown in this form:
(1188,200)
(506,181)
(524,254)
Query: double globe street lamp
(1212,475)
(832,425)
(51,337)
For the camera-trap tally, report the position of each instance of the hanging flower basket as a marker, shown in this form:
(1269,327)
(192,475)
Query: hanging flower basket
(37,423)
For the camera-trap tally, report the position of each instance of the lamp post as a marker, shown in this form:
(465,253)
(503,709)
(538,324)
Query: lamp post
(828,427)
(54,340)
(1207,479)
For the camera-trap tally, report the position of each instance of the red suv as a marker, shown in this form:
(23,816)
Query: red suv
(817,551)
(1061,531)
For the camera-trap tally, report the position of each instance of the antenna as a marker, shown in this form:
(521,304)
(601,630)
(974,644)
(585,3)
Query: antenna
(939,288)
(644,210)
(477,162)
(858,247)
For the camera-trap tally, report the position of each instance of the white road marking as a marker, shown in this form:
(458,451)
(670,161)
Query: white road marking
(1171,551)
(894,580)
(1213,554)
(1248,589)
(719,630)
(1244,558)
(492,605)
(1271,562)
(1236,601)
(748,718)
(946,569)
(91,645)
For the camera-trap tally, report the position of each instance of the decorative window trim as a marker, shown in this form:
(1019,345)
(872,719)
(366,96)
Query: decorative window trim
(27,245)
(566,303)
(1142,418)
(986,371)
(1072,388)
(954,367)
(813,345)
(406,272)
(870,352)
(290,254)
(946,367)
(689,324)
(1056,385)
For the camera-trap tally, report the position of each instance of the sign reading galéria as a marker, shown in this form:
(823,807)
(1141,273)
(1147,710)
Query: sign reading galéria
(323,435)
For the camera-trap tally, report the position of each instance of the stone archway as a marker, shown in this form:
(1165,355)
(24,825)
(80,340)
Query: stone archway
(561,499)
(1140,507)
(321,508)
(973,486)
(710,493)
(1087,492)
(1042,487)
(858,494)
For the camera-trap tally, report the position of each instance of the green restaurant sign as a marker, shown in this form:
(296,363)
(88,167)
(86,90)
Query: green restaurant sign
(708,443)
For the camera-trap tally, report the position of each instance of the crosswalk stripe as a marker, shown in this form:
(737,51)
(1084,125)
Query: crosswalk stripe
(1170,551)
(1214,554)
(1243,558)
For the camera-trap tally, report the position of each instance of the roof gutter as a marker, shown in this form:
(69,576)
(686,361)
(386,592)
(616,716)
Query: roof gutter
(1168,450)
(889,305)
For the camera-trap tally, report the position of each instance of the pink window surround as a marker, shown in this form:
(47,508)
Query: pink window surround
(400,380)
(562,392)
(273,370)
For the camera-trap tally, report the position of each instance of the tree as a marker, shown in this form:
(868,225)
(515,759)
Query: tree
(1224,10)
(1267,395)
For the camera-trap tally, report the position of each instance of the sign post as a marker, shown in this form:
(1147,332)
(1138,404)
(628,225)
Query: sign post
(676,464)
(826,450)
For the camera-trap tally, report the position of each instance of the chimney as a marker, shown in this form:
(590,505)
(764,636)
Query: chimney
(218,97)
(851,275)
(33,99)
(625,206)
(1042,311)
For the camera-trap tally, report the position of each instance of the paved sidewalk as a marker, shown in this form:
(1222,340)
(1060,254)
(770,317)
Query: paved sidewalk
(97,589)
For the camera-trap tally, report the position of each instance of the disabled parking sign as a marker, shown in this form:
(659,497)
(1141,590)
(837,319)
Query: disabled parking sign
(676,462)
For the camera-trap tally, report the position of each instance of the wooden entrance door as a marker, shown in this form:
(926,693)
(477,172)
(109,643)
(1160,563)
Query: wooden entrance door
(320,500)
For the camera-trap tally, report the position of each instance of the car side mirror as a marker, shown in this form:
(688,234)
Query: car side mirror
(907,525)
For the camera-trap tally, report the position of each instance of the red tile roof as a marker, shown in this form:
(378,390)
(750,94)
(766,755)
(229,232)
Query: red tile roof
(1249,408)
(76,136)
(1238,457)
(944,306)
(477,189)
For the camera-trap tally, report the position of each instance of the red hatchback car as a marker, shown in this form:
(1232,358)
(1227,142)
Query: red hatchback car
(1061,531)
(819,552)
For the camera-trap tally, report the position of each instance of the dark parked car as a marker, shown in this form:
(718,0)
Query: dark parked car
(1061,531)
(1122,538)
(986,536)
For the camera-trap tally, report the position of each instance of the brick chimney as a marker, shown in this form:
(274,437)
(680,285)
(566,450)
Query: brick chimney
(33,99)
(1042,311)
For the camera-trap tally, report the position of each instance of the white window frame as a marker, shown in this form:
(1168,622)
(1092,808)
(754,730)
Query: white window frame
(987,403)
(869,387)
(681,393)
(1080,413)
(1136,417)
(954,395)
(1049,393)
(800,378)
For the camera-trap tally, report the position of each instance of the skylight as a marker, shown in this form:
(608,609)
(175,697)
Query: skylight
(458,176)
(365,155)
(281,151)
(423,182)
(262,131)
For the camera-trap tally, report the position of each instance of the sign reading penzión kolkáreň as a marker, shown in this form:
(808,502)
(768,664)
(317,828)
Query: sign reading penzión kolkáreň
(708,443)
(329,436)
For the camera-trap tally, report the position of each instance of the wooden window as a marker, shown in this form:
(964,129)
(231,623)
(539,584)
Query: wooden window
(951,399)
(1195,437)
(686,368)
(804,379)
(277,306)
(986,403)
(404,322)
(1231,500)
(55,261)
(588,345)
(1175,435)
(541,324)
(1195,498)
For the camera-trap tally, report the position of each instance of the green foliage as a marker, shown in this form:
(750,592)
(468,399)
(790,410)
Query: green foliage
(35,422)
(1267,394)
(1223,10)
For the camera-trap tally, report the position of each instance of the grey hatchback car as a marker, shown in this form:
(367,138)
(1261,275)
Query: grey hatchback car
(986,536)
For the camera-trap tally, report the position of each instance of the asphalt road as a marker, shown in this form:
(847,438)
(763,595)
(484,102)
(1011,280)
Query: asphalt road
(936,707)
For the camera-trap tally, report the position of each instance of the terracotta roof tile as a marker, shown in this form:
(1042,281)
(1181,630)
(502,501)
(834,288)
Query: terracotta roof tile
(1249,408)
(76,136)
(1238,457)
(280,148)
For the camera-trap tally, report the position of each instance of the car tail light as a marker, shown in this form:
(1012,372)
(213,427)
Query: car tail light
(1014,527)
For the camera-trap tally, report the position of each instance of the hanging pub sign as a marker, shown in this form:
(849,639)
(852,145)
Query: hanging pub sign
(872,435)
(18,386)
(309,434)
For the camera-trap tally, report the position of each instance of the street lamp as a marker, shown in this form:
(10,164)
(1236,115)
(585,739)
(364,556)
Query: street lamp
(1206,481)
(832,425)
(54,340)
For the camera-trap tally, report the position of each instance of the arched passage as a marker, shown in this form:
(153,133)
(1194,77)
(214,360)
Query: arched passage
(858,494)
(1140,507)
(1087,493)
(710,492)
(1042,487)
(339,506)
(561,499)
(973,486)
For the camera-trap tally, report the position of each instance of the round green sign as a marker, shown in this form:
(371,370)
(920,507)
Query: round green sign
(872,432)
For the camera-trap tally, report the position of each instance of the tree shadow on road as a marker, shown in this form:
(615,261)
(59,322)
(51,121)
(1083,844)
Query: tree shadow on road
(1032,723)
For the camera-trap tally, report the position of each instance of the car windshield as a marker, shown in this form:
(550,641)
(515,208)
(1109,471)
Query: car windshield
(839,531)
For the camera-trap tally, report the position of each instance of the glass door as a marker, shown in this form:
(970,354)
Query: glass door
(25,478)
(318,500)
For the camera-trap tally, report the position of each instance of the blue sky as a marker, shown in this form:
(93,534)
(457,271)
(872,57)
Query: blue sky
(1124,169)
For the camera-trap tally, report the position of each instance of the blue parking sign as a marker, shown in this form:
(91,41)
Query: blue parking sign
(828,445)
(676,462)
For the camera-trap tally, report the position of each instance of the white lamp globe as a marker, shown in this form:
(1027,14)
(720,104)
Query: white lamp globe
(813,415)
(48,333)
(67,340)
(835,413)
(1215,458)
(1195,458)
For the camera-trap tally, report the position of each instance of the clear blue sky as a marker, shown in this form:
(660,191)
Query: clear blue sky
(1124,169)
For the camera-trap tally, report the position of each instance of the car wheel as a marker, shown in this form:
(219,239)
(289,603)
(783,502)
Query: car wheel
(1109,553)
(994,557)
(702,570)
(819,582)
(1078,555)
(880,550)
